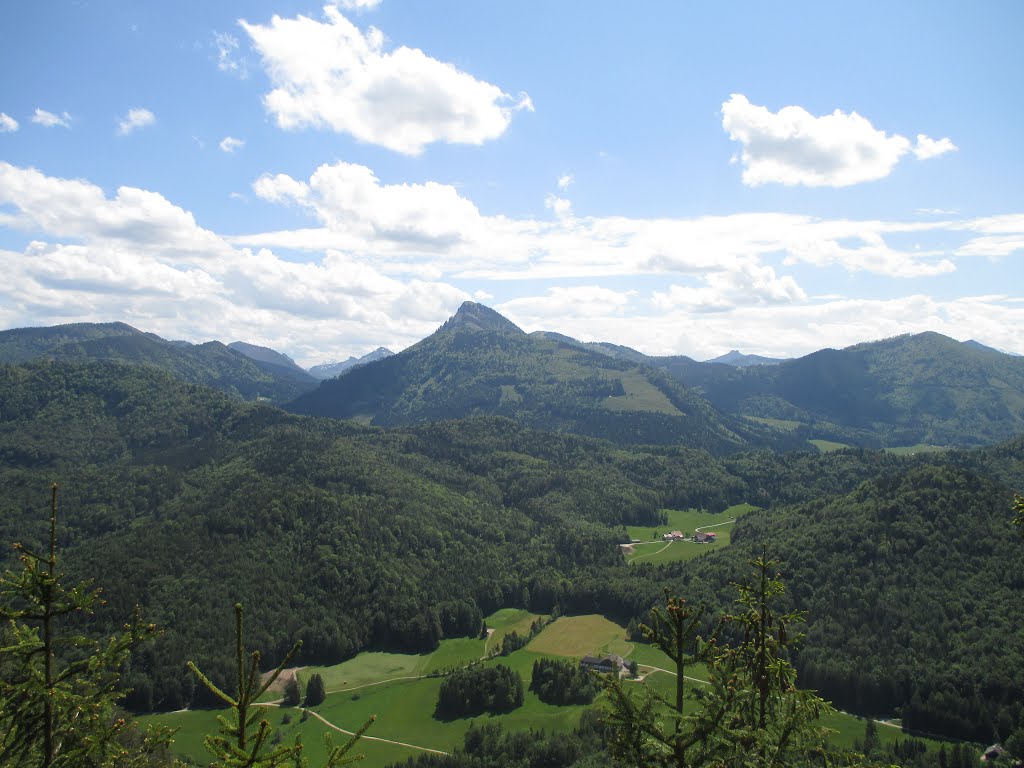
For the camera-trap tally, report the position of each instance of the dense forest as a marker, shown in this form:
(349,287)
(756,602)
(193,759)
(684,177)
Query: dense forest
(185,500)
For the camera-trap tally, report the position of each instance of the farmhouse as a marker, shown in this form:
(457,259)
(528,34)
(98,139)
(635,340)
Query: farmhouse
(608,663)
(705,538)
(673,536)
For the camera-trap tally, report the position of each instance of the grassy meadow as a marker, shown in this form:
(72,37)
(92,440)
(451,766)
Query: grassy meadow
(652,549)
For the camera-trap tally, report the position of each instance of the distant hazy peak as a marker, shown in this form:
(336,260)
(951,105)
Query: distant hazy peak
(263,354)
(330,370)
(737,359)
(477,317)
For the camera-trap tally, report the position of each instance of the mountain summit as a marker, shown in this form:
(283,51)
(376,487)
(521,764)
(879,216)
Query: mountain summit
(476,317)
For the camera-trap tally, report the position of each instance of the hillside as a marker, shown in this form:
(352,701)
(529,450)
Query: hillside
(912,586)
(479,363)
(212,364)
(923,388)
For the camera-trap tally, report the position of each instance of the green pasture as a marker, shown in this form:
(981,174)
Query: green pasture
(576,636)
(827,446)
(784,424)
(506,621)
(657,551)
(640,395)
(365,686)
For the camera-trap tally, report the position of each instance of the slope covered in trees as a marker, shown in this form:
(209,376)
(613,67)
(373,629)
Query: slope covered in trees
(478,363)
(213,364)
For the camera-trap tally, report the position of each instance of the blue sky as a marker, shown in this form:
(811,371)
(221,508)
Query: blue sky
(683,178)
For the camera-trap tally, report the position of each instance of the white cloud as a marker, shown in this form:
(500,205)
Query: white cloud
(560,206)
(136,118)
(792,146)
(331,75)
(576,301)
(359,5)
(926,148)
(228,59)
(565,180)
(229,144)
(50,120)
(7,123)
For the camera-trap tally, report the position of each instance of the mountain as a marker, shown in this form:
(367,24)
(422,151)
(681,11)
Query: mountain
(330,370)
(212,364)
(922,388)
(479,363)
(736,358)
(266,355)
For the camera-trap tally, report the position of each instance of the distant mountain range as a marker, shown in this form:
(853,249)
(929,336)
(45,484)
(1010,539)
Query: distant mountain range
(908,390)
(236,371)
(330,370)
(480,363)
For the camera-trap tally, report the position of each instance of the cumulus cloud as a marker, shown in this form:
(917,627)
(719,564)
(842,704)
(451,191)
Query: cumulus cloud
(136,118)
(927,148)
(331,75)
(7,123)
(565,180)
(559,302)
(50,120)
(793,147)
(229,144)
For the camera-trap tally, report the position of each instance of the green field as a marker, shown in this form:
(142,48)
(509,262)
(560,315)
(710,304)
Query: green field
(827,446)
(784,424)
(640,395)
(404,708)
(576,636)
(506,621)
(652,549)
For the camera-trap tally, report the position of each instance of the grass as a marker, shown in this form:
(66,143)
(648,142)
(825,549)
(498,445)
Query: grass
(405,707)
(656,551)
(640,395)
(827,446)
(784,424)
(576,636)
(509,620)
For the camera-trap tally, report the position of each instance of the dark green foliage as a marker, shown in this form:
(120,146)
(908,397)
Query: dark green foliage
(750,714)
(292,695)
(488,746)
(212,363)
(315,691)
(474,690)
(471,367)
(57,690)
(912,583)
(924,388)
(562,682)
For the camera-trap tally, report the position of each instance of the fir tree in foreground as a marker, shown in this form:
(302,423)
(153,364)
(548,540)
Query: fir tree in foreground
(58,692)
(245,740)
(750,714)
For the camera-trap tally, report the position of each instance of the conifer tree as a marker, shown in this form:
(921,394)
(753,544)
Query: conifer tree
(292,694)
(750,714)
(315,691)
(244,741)
(58,692)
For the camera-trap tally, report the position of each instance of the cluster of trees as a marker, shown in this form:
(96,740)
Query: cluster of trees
(476,689)
(563,682)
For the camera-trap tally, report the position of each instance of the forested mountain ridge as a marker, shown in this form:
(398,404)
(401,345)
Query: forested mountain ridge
(184,500)
(912,585)
(921,388)
(212,363)
(479,363)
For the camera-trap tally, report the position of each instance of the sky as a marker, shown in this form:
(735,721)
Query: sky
(678,177)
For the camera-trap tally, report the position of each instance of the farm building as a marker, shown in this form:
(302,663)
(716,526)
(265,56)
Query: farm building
(705,538)
(673,536)
(609,663)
